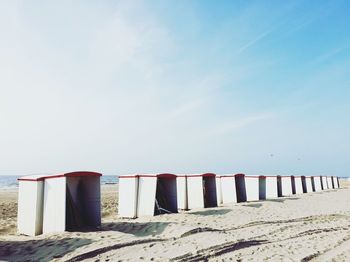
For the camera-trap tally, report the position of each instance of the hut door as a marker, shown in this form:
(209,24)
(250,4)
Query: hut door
(166,201)
(209,191)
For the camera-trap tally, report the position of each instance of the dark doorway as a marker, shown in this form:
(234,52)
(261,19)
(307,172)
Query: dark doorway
(166,196)
(240,188)
(209,191)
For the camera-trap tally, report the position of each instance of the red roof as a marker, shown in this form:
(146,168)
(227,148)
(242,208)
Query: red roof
(163,175)
(70,174)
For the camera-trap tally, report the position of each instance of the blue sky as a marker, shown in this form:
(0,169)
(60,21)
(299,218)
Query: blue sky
(260,87)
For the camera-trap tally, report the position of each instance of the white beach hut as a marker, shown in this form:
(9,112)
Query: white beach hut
(335,181)
(181,186)
(330,182)
(309,184)
(324,183)
(250,188)
(317,183)
(72,201)
(128,193)
(288,185)
(271,187)
(228,189)
(201,190)
(255,187)
(30,205)
(219,190)
(157,194)
(299,183)
(60,202)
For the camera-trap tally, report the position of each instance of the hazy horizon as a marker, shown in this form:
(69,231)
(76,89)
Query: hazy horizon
(259,87)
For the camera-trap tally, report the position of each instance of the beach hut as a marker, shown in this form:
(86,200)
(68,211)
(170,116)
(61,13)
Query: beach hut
(128,193)
(157,194)
(72,201)
(59,202)
(330,182)
(324,182)
(218,190)
(335,182)
(309,184)
(288,185)
(317,183)
(255,187)
(228,189)
(30,205)
(299,182)
(181,186)
(252,188)
(271,186)
(201,190)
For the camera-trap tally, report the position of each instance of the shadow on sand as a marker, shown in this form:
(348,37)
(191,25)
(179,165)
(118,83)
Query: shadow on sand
(136,228)
(211,212)
(282,200)
(39,250)
(255,205)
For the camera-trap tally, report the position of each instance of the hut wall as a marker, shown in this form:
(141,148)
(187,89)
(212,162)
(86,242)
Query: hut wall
(195,192)
(128,196)
(298,185)
(181,185)
(30,207)
(228,185)
(271,187)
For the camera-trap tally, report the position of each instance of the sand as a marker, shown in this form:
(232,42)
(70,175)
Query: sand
(308,227)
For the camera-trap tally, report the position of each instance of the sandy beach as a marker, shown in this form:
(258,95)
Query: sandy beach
(308,227)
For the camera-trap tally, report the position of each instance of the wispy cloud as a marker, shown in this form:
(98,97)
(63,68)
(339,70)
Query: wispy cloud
(133,82)
(234,125)
(187,107)
(253,42)
(328,55)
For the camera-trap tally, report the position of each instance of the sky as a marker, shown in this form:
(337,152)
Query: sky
(119,87)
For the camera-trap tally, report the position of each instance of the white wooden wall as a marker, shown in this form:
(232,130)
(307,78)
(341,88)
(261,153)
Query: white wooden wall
(30,207)
(286,186)
(146,196)
(228,189)
(219,190)
(335,182)
(271,187)
(317,183)
(195,192)
(329,182)
(54,205)
(298,185)
(308,184)
(128,196)
(252,188)
(181,185)
(324,182)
